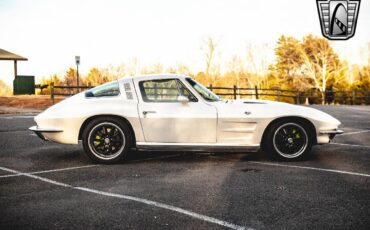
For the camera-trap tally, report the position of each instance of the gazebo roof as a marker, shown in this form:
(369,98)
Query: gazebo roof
(6,55)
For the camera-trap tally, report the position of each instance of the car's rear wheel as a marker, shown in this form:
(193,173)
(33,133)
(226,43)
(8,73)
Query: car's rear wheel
(106,140)
(288,140)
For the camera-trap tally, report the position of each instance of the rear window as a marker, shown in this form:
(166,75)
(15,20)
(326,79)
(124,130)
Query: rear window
(106,90)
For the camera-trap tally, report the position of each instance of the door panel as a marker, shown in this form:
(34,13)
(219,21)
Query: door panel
(164,119)
(176,122)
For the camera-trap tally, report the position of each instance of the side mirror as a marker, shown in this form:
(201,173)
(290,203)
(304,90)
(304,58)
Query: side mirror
(182,99)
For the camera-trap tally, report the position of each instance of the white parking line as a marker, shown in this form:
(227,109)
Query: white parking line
(168,207)
(351,145)
(136,199)
(89,166)
(47,171)
(356,132)
(311,168)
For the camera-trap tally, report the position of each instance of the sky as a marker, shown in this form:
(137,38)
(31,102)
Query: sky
(110,32)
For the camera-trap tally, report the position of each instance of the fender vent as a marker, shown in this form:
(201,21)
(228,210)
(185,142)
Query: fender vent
(127,87)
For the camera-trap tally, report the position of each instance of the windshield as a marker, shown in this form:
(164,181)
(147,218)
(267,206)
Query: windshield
(203,91)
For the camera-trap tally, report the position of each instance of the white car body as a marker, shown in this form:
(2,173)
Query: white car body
(225,124)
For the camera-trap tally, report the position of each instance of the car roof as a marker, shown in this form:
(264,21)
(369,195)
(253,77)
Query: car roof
(153,76)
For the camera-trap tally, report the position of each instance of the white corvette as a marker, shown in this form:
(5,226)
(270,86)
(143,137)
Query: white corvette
(174,112)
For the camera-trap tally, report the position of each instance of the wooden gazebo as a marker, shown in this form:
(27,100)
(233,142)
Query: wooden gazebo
(8,56)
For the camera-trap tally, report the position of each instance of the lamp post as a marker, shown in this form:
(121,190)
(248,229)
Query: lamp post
(77,58)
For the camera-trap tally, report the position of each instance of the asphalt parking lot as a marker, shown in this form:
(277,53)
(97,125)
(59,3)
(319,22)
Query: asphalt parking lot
(46,185)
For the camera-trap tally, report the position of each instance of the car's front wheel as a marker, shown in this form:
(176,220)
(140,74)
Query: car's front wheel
(288,140)
(106,140)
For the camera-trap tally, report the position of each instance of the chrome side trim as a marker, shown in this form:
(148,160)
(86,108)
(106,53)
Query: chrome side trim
(44,130)
(335,132)
(38,131)
(194,147)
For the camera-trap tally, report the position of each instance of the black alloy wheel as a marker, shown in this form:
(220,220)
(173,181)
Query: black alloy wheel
(288,140)
(106,140)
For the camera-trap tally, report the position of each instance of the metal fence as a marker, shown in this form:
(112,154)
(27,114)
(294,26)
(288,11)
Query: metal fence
(313,96)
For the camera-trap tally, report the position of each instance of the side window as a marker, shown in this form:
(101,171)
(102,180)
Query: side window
(164,90)
(109,89)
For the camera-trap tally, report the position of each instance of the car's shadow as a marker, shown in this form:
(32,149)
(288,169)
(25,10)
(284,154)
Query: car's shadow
(183,156)
(76,154)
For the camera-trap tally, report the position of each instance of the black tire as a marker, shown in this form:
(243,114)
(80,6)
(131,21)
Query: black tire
(288,140)
(106,140)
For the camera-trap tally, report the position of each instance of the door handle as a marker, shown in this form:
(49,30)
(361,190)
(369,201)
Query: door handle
(146,112)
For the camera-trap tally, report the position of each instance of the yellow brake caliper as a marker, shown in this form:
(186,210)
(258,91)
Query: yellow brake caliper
(97,142)
(297,136)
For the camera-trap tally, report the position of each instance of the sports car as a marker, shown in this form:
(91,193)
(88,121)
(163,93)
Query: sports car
(174,112)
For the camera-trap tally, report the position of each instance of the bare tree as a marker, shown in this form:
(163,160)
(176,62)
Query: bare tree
(5,90)
(114,72)
(153,69)
(133,67)
(236,69)
(179,68)
(368,53)
(319,62)
(210,49)
(257,63)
